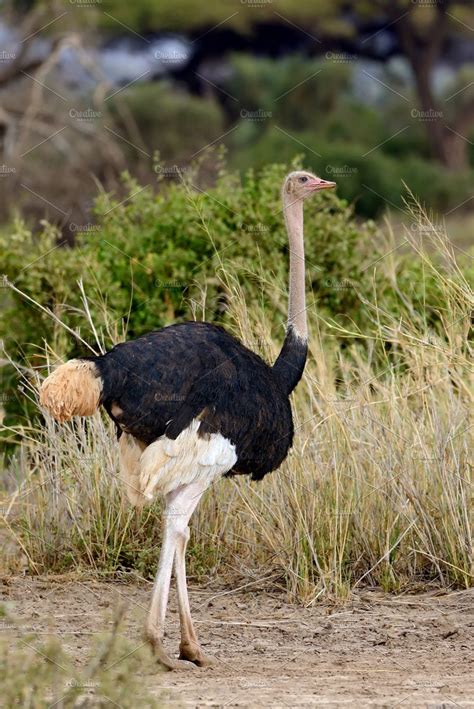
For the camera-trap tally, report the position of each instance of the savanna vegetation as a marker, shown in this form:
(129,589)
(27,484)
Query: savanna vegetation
(377,488)
(108,675)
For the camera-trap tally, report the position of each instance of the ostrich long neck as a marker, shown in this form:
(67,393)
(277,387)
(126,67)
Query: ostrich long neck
(293,211)
(290,363)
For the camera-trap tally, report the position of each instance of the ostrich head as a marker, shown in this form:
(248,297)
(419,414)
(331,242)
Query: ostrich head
(301,184)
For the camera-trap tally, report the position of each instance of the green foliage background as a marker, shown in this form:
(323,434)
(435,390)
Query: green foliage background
(277,108)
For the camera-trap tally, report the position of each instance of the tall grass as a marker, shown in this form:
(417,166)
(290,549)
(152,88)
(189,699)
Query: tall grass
(376,490)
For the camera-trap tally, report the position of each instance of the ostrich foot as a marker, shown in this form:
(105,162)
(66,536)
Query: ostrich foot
(192,652)
(169,663)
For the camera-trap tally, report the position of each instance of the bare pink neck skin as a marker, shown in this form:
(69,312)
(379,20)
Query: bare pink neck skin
(293,211)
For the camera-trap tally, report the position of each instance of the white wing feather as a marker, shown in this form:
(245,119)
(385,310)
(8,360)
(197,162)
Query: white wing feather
(167,464)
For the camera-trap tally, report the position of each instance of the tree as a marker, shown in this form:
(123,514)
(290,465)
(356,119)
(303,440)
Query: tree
(422,29)
(422,44)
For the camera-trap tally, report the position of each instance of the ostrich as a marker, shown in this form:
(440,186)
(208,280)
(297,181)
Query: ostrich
(191,403)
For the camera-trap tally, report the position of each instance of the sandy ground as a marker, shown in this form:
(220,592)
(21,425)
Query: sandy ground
(376,650)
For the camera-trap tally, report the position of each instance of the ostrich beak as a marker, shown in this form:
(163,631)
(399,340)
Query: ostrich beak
(319,184)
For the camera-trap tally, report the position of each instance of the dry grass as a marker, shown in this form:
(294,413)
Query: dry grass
(376,490)
(40,673)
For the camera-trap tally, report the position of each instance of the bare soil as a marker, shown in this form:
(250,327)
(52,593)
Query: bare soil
(376,650)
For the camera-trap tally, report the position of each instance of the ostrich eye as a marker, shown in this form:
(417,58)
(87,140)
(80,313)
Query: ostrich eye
(303,179)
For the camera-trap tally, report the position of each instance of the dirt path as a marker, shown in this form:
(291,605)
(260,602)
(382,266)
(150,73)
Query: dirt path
(377,651)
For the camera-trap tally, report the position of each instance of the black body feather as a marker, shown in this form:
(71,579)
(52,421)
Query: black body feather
(161,381)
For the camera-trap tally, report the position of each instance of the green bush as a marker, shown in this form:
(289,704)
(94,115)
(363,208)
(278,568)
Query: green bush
(149,255)
(367,177)
(295,92)
(167,119)
(392,131)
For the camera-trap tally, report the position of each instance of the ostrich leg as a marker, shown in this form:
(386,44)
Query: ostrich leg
(180,504)
(189,648)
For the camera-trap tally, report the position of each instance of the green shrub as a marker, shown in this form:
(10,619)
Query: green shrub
(148,254)
(169,119)
(366,177)
(295,92)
